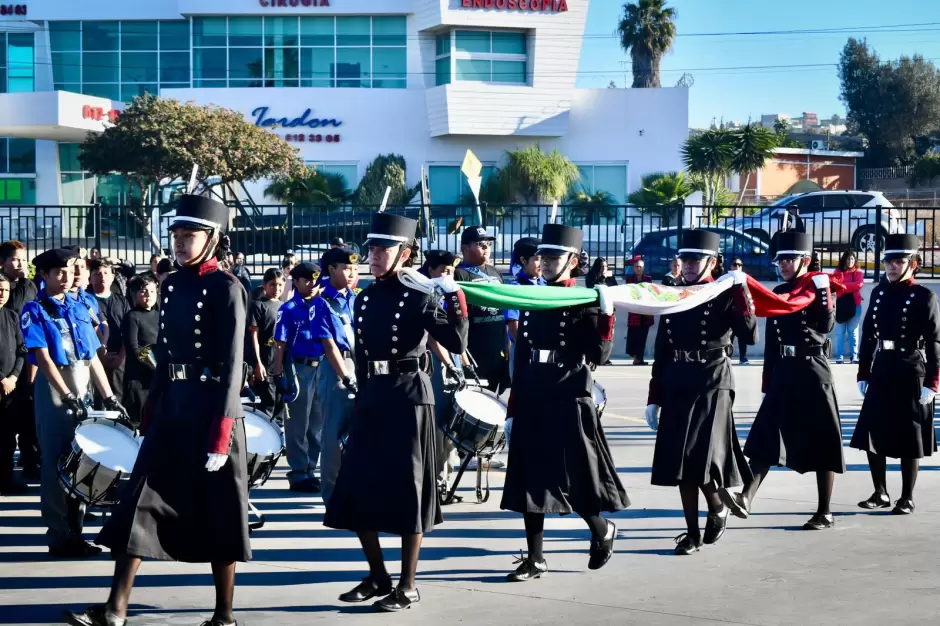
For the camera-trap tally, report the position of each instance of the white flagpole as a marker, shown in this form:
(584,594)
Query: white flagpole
(388,192)
(192,179)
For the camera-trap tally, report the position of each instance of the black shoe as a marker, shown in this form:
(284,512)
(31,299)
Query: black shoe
(686,544)
(398,600)
(876,501)
(602,548)
(367,589)
(13,488)
(715,526)
(820,522)
(75,549)
(904,506)
(97,615)
(217,622)
(307,485)
(736,502)
(527,570)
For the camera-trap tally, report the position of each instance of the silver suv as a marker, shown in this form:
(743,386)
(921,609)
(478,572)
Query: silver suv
(840,218)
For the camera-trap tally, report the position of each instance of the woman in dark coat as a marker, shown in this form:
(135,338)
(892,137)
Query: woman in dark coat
(559,461)
(898,375)
(393,423)
(187,499)
(638,326)
(601,275)
(697,447)
(798,423)
(139,331)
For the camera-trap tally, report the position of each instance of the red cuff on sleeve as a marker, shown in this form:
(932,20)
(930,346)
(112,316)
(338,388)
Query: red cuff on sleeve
(605,326)
(742,301)
(220,435)
(932,380)
(456,305)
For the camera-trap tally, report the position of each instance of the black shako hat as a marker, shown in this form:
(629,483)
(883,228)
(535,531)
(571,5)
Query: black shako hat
(475,234)
(436,258)
(200,213)
(698,244)
(900,246)
(526,247)
(306,269)
(792,245)
(558,240)
(54,259)
(335,256)
(388,230)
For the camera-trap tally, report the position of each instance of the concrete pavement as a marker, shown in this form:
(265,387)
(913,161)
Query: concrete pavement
(870,569)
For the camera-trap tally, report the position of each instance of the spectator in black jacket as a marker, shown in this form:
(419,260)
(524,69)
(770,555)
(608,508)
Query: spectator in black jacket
(12,359)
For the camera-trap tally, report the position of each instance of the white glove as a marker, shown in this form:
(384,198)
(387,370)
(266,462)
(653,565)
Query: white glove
(216,461)
(927,395)
(821,281)
(652,416)
(862,387)
(446,284)
(606,306)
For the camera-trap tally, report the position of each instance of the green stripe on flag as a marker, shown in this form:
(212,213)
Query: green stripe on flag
(526,297)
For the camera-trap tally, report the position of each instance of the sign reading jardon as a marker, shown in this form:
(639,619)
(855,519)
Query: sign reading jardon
(301,123)
(544,6)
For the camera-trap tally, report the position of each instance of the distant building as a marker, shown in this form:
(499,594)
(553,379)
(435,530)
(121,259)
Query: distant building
(810,120)
(830,169)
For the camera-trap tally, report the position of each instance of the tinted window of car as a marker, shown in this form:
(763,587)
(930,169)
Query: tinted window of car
(861,199)
(808,204)
(839,201)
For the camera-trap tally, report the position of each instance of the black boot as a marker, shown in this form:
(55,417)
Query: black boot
(737,502)
(904,506)
(876,501)
(686,544)
(820,522)
(528,569)
(715,525)
(602,548)
(398,600)
(369,588)
(97,615)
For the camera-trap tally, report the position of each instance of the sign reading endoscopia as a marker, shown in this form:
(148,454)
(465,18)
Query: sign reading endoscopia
(544,6)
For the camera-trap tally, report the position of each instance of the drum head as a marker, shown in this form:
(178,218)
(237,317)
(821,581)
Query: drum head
(262,436)
(600,395)
(112,447)
(482,406)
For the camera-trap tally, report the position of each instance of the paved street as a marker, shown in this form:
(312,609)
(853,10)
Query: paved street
(870,569)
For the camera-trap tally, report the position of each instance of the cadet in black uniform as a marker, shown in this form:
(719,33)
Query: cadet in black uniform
(187,499)
(260,344)
(697,448)
(898,375)
(798,424)
(141,327)
(387,482)
(559,461)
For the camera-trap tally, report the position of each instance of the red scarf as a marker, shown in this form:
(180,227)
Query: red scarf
(769,304)
(209,266)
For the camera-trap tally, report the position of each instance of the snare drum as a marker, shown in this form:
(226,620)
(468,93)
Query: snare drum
(265,442)
(103,452)
(477,423)
(600,398)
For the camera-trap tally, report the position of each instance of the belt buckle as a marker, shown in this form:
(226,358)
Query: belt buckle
(379,368)
(177,371)
(887,344)
(787,350)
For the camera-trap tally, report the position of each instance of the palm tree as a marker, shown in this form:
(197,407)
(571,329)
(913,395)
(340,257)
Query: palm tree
(707,157)
(311,188)
(536,177)
(590,206)
(753,145)
(661,193)
(647,30)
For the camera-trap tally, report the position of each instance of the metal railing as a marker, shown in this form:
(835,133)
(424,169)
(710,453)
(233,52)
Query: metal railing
(265,233)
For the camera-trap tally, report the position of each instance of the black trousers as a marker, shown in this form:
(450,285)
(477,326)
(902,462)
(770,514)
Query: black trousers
(636,340)
(742,349)
(270,400)
(7,439)
(24,421)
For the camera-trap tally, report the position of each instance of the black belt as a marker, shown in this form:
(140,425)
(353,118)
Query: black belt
(798,351)
(900,346)
(193,371)
(312,362)
(409,365)
(553,357)
(700,356)
(346,354)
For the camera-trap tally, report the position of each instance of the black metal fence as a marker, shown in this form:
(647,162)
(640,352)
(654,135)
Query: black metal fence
(265,233)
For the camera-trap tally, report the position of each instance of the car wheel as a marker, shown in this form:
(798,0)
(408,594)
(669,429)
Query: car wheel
(759,233)
(866,238)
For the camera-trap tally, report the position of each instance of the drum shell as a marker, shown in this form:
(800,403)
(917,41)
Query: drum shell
(260,465)
(471,434)
(86,479)
(600,398)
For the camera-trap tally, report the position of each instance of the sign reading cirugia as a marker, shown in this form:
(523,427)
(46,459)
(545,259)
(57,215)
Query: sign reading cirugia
(261,119)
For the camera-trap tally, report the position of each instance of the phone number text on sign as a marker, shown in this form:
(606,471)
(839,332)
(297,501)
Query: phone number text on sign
(13,9)
(312,138)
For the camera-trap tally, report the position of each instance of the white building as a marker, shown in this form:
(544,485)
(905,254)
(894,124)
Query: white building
(426,79)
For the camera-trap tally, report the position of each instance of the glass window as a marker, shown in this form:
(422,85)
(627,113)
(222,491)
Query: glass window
(111,91)
(22,156)
(174,67)
(20,66)
(100,35)
(133,90)
(68,157)
(281,64)
(174,35)
(100,67)
(244,31)
(209,84)
(3,155)
(353,31)
(445,184)
(73,87)
(353,64)
(389,68)
(473,41)
(138,35)
(442,71)
(174,85)
(138,67)
(3,51)
(316,67)
(389,31)
(316,31)
(474,70)
(209,31)
(3,79)
(443,44)
(609,178)
(280,31)
(349,172)
(65,35)
(508,43)
(244,63)
(509,72)
(65,69)
(210,63)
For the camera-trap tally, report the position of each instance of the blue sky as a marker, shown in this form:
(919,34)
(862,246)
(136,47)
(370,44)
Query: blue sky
(737,94)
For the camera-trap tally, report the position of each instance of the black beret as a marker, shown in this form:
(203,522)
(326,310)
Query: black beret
(337,241)
(308,270)
(335,256)
(55,259)
(436,258)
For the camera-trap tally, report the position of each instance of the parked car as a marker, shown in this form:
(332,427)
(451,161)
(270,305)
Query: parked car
(833,218)
(659,247)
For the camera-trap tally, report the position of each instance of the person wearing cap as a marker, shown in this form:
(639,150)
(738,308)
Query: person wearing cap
(898,374)
(697,448)
(113,307)
(487,339)
(140,331)
(638,326)
(187,499)
(526,258)
(260,345)
(80,282)
(388,479)
(797,425)
(58,333)
(299,351)
(336,382)
(559,460)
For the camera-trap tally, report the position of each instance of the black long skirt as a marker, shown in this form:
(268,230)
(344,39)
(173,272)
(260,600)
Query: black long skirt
(173,508)
(559,460)
(696,442)
(798,423)
(892,421)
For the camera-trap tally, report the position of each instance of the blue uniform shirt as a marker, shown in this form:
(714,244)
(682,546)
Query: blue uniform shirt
(88,300)
(293,326)
(521,278)
(333,315)
(40,330)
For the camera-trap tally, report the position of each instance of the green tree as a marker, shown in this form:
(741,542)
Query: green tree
(535,177)
(647,29)
(926,168)
(588,206)
(890,103)
(386,170)
(753,145)
(782,135)
(708,156)
(310,188)
(662,194)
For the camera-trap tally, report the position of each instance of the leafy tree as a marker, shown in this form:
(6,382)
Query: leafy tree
(586,206)
(753,145)
(708,156)
(647,30)
(662,194)
(535,177)
(926,168)
(386,170)
(890,103)
(310,188)
(157,141)
(782,135)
